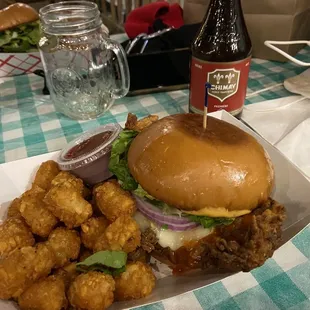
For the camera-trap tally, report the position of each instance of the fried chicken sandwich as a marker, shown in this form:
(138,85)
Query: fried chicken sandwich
(203,195)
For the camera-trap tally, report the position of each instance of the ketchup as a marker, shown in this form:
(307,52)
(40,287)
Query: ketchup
(88,156)
(88,145)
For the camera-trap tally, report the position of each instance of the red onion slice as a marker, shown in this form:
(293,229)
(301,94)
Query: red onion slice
(173,222)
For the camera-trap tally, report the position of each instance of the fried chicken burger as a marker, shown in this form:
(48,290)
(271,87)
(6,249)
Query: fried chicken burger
(203,195)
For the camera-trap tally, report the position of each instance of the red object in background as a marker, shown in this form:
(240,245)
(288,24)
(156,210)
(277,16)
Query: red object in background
(142,19)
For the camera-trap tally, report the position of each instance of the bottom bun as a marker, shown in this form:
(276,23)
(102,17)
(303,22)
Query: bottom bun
(241,246)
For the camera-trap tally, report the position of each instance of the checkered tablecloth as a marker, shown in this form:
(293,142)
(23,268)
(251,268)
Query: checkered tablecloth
(16,64)
(30,126)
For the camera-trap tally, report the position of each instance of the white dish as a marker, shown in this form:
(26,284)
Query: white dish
(292,190)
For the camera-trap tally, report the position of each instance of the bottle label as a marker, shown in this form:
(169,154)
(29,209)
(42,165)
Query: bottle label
(228,85)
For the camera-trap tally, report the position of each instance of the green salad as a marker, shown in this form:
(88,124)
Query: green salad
(20,39)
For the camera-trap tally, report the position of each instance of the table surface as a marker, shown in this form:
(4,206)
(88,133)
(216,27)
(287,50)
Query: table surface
(30,126)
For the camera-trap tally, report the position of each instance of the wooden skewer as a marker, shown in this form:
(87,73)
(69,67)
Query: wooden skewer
(205,121)
(205,109)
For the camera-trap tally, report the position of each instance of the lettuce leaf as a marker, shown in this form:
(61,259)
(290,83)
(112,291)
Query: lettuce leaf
(209,222)
(140,192)
(205,221)
(118,164)
(7,36)
(20,39)
(166,209)
(110,262)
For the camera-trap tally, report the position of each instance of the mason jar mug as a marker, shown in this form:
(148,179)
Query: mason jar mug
(85,70)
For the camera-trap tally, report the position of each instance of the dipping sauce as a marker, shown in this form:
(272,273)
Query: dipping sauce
(88,145)
(88,156)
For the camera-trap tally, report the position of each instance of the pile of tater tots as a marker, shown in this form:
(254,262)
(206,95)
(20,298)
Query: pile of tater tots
(55,225)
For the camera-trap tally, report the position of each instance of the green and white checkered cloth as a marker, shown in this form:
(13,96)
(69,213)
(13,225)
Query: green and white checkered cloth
(30,126)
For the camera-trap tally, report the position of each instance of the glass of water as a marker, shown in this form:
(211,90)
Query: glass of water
(85,70)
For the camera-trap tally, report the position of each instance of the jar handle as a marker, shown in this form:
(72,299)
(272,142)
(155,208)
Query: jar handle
(120,54)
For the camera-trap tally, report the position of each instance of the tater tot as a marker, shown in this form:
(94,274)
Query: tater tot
(68,180)
(102,244)
(44,261)
(133,123)
(46,173)
(122,235)
(13,209)
(14,233)
(45,294)
(34,190)
(36,214)
(113,201)
(92,229)
(67,273)
(65,244)
(136,282)
(68,205)
(22,267)
(92,291)
(14,272)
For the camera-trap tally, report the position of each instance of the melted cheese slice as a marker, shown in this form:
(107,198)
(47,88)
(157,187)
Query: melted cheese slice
(218,212)
(170,238)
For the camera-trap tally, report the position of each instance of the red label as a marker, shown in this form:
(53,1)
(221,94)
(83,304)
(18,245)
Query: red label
(228,85)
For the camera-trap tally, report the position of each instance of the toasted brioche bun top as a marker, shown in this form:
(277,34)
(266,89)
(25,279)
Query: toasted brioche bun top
(218,172)
(17,14)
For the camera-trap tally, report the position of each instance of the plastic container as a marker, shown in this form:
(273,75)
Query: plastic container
(88,156)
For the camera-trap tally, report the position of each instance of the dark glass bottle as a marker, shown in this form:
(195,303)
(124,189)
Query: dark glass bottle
(221,56)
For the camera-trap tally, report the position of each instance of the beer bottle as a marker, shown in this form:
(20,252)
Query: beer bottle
(221,56)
